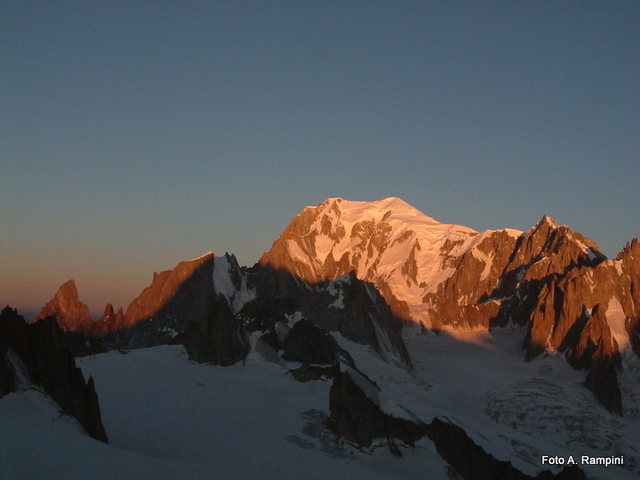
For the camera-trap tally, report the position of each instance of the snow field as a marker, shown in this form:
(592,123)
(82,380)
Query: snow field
(167,417)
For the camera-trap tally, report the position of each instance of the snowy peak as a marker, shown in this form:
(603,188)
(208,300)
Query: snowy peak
(391,206)
(401,251)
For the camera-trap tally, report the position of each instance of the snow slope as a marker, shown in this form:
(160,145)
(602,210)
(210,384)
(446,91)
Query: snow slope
(167,417)
(170,418)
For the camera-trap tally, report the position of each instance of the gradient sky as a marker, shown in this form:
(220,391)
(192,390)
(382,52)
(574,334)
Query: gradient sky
(136,134)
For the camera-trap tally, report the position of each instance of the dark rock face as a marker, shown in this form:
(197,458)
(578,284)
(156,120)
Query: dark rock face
(7,381)
(262,314)
(347,305)
(474,463)
(310,373)
(310,344)
(358,311)
(218,339)
(358,418)
(70,313)
(597,351)
(175,298)
(43,348)
(271,282)
(7,384)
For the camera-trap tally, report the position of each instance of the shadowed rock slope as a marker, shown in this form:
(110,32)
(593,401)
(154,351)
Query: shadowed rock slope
(38,354)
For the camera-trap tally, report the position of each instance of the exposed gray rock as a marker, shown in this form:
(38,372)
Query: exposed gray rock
(218,339)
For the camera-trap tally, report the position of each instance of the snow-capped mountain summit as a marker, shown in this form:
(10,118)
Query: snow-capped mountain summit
(403,252)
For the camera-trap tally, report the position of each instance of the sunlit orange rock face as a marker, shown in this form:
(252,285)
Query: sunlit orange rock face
(591,313)
(163,289)
(110,321)
(612,284)
(70,313)
(462,300)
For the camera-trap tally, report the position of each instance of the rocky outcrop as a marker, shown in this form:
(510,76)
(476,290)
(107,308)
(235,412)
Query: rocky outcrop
(347,305)
(42,350)
(218,339)
(7,371)
(71,314)
(111,321)
(263,313)
(597,352)
(316,349)
(307,343)
(549,248)
(357,416)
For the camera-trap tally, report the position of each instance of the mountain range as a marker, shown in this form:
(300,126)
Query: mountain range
(348,282)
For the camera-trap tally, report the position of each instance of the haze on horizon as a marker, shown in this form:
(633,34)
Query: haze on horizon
(137,135)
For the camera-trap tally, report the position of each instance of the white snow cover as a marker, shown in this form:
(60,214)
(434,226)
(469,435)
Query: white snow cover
(401,228)
(167,417)
(335,289)
(223,285)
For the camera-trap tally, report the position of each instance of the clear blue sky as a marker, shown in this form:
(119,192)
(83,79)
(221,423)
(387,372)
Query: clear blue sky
(136,134)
